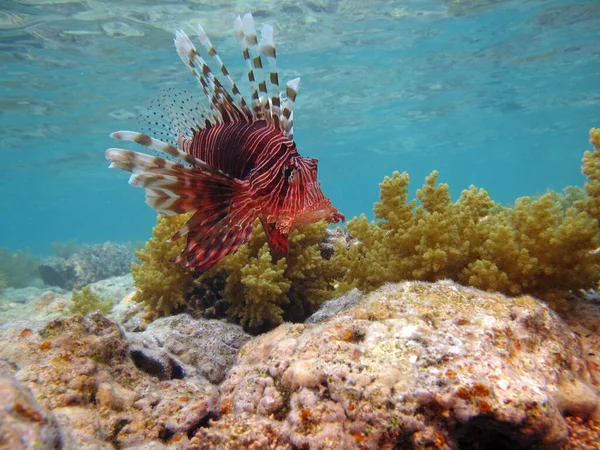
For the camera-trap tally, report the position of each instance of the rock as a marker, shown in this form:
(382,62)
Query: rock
(27,294)
(24,423)
(206,347)
(412,365)
(80,370)
(332,307)
(129,313)
(87,264)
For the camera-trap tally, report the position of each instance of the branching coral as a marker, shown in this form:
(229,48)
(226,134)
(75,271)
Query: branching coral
(160,283)
(591,169)
(542,246)
(262,290)
(86,301)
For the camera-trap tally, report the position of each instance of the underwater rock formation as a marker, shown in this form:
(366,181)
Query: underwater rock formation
(24,423)
(209,347)
(88,264)
(79,369)
(412,365)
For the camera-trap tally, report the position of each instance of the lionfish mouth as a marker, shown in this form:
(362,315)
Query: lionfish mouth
(325,212)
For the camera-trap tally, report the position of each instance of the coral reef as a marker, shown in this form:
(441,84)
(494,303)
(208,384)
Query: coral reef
(86,301)
(79,266)
(162,285)
(545,246)
(253,287)
(411,365)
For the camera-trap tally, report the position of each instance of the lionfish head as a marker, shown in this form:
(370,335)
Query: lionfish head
(303,200)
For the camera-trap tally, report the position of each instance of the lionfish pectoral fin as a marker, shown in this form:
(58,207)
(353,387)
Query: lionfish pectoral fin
(222,204)
(276,239)
(212,235)
(221,224)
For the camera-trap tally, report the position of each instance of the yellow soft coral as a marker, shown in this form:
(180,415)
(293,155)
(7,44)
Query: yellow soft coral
(86,301)
(591,169)
(542,246)
(161,284)
(263,289)
(429,242)
(258,290)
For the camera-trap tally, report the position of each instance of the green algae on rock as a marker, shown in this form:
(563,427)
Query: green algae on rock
(87,301)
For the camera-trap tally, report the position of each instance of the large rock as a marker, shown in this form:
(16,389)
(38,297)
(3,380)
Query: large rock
(204,346)
(79,369)
(24,423)
(412,365)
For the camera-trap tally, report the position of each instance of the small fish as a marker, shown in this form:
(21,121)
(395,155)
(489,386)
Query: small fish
(237,161)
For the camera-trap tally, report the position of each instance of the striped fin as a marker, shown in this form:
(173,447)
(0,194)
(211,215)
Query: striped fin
(212,51)
(245,33)
(155,144)
(291,89)
(221,102)
(205,249)
(267,48)
(223,207)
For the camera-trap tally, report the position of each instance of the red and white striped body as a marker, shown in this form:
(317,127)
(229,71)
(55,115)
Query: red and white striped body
(242,162)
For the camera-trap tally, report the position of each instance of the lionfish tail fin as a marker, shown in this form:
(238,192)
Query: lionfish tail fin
(223,205)
(227,103)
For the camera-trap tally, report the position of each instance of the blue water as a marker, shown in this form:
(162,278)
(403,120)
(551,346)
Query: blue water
(499,94)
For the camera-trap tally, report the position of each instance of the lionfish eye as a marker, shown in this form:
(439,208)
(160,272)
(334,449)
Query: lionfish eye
(288,173)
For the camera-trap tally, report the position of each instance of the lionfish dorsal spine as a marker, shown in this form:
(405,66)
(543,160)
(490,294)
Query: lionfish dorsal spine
(224,108)
(212,51)
(266,47)
(291,91)
(245,33)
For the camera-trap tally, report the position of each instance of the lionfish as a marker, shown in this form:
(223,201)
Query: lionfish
(236,161)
